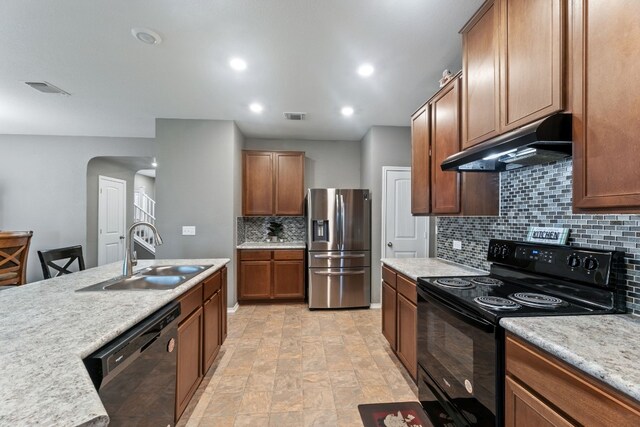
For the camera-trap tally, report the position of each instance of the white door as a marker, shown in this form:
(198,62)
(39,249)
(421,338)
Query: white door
(112,212)
(403,235)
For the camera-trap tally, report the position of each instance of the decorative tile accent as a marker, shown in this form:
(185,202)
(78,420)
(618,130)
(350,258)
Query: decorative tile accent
(542,196)
(254,229)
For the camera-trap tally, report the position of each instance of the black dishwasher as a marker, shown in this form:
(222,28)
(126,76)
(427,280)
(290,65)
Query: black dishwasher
(135,374)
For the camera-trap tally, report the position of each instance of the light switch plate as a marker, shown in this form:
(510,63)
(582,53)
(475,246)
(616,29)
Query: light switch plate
(188,230)
(457,244)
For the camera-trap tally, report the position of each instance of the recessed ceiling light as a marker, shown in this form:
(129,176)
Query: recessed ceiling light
(146,35)
(154,163)
(365,70)
(347,111)
(256,108)
(238,64)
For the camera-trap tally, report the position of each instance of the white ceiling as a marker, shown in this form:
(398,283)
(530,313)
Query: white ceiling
(301,54)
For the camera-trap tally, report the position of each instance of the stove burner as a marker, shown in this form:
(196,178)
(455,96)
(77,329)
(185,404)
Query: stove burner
(488,281)
(532,299)
(454,283)
(496,303)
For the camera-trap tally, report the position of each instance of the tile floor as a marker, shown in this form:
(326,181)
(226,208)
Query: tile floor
(283,365)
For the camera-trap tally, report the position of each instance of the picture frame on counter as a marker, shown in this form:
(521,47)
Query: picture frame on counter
(550,235)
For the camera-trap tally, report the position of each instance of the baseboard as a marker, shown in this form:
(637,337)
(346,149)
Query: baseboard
(233,309)
(376,305)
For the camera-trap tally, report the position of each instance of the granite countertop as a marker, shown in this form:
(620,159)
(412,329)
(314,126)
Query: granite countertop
(604,346)
(272,245)
(46,329)
(430,267)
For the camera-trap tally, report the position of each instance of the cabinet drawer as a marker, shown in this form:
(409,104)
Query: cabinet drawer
(288,254)
(255,255)
(407,288)
(584,399)
(389,276)
(189,302)
(211,285)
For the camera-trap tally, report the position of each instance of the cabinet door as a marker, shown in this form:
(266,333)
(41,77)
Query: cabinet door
(420,163)
(255,280)
(211,331)
(481,71)
(288,279)
(406,335)
(531,78)
(289,183)
(606,106)
(257,183)
(223,306)
(523,409)
(189,360)
(389,313)
(445,141)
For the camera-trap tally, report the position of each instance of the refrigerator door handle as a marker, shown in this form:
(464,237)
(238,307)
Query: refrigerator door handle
(339,256)
(338,222)
(338,273)
(342,221)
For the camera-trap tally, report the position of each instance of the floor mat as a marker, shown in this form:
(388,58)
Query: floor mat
(397,414)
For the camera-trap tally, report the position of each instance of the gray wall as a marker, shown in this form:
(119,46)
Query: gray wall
(43,186)
(381,146)
(96,167)
(197,184)
(147,182)
(327,163)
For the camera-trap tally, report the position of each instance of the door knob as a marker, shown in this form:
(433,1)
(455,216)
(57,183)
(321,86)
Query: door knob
(121,237)
(390,244)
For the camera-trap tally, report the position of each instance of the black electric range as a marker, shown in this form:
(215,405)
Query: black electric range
(460,341)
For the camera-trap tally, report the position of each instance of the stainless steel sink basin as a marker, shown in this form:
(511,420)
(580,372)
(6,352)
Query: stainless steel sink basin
(173,270)
(160,277)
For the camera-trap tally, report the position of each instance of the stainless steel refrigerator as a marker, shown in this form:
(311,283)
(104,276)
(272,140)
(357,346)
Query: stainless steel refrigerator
(339,243)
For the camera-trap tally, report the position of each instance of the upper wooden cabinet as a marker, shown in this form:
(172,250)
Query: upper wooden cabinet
(420,162)
(481,71)
(606,106)
(513,54)
(532,49)
(445,137)
(272,183)
(435,135)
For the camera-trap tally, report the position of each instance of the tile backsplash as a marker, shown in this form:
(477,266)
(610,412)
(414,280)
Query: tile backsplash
(254,229)
(542,196)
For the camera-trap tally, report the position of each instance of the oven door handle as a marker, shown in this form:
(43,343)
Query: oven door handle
(465,316)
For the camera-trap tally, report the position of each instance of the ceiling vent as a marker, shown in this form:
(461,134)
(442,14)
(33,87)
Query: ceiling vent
(295,116)
(45,87)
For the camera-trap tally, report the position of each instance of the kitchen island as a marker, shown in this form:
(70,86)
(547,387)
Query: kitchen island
(46,329)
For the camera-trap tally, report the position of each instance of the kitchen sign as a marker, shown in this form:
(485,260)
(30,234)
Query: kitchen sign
(551,235)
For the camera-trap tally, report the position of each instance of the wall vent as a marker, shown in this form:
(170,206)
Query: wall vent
(45,87)
(295,116)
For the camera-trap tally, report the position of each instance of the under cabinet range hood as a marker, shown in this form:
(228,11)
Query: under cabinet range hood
(540,142)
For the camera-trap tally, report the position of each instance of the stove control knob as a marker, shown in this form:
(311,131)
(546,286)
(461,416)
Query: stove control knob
(573,261)
(495,250)
(590,264)
(504,252)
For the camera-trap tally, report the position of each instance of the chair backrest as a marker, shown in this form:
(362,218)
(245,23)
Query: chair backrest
(14,250)
(68,254)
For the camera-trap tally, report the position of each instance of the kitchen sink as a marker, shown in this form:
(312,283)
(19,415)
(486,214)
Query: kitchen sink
(173,270)
(160,277)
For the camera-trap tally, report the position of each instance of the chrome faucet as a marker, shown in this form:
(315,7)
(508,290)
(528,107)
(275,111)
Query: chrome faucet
(130,259)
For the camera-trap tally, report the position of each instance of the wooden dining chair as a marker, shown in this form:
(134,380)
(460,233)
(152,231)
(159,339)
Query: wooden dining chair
(68,254)
(14,250)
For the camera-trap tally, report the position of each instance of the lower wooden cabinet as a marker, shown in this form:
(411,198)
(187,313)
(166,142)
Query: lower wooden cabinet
(271,275)
(541,390)
(189,366)
(201,331)
(400,317)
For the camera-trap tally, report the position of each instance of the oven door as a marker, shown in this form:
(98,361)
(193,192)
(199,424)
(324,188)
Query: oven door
(458,352)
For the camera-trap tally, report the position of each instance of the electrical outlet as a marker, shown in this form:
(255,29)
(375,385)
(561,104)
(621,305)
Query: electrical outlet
(457,244)
(188,230)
